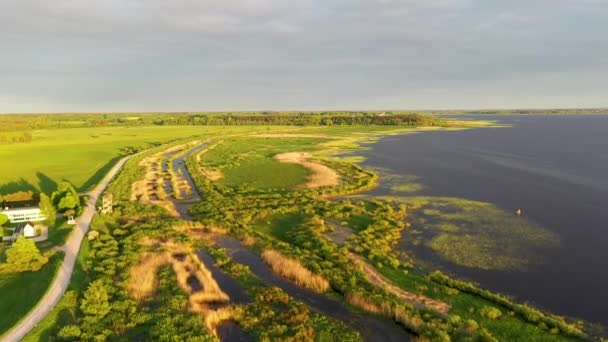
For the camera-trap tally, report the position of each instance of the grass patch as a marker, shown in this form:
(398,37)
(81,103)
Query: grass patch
(248,163)
(280,225)
(22,291)
(58,235)
(265,174)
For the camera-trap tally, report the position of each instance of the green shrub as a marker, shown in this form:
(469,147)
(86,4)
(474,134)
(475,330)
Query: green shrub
(491,312)
(23,256)
(69,332)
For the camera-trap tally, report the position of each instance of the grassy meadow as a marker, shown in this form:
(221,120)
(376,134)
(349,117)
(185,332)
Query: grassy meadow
(80,155)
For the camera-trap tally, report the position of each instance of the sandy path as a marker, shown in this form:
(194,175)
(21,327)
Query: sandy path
(377,279)
(321,174)
(71,249)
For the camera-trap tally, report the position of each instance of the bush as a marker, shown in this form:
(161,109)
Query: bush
(95,302)
(491,312)
(23,256)
(69,332)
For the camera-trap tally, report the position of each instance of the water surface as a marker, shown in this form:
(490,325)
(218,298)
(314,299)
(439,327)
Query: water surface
(553,167)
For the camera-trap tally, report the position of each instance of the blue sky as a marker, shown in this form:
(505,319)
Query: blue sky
(188,55)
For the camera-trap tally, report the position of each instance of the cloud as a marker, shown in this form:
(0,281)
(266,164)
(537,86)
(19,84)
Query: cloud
(197,55)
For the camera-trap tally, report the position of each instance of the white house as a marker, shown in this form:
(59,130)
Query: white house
(28,230)
(20,215)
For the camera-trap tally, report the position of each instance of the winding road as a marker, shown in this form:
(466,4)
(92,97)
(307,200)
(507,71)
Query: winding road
(71,248)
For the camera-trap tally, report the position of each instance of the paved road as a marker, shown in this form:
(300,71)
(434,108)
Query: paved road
(71,248)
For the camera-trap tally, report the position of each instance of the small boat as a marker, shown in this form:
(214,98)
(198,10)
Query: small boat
(518,212)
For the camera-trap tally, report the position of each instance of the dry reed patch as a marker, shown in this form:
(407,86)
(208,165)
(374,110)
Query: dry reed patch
(143,276)
(293,270)
(377,279)
(146,190)
(213,318)
(248,240)
(321,174)
(188,270)
(359,301)
(387,310)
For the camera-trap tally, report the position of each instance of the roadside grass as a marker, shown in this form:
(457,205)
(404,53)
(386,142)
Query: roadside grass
(66,310)
(22,291)
(58,235)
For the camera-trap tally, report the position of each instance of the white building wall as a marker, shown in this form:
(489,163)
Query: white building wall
(24,215)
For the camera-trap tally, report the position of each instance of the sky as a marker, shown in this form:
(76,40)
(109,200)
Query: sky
(210,55)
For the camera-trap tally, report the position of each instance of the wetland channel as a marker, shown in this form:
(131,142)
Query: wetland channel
(370,328)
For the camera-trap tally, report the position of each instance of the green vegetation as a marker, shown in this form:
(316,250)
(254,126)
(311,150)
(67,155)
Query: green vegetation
(248,163)
(273,315)
(21,291)
(80,155)
(23,256)
(12,123)
(262,202)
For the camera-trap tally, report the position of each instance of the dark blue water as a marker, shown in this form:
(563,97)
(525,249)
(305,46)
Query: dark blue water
(555,168)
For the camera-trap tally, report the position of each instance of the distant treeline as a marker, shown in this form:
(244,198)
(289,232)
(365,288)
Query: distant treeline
(302,120)
(24,122)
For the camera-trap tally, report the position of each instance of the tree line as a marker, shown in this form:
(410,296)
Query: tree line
(20,123)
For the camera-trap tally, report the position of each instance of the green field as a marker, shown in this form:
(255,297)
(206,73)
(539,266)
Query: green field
(80,155)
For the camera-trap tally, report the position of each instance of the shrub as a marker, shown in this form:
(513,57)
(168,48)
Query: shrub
(490,312)
(69,332)
(95,302)
(23,256)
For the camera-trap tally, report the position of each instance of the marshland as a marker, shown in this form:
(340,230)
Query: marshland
(284,232)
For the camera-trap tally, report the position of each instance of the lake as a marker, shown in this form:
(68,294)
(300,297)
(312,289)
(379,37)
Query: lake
(555,168)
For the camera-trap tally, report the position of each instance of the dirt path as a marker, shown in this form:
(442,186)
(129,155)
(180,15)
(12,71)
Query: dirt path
(377,279)
(71,249)
(321,174)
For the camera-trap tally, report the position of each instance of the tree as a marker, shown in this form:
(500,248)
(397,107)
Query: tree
(47,209)
(66,197)
(95,301)
(24,256)
(67,203)
(3,219)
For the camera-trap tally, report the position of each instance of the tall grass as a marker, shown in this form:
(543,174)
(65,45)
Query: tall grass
(293,270)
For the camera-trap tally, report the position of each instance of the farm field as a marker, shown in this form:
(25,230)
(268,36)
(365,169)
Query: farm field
(80,155)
